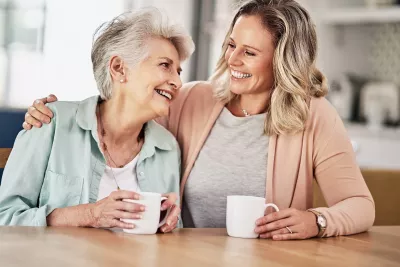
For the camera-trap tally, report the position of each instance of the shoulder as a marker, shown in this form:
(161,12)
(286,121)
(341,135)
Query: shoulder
(198,87)
(161,137)
(195,93)
(322,113)
(63,112)
(194,102)
(324,121)
(63,109)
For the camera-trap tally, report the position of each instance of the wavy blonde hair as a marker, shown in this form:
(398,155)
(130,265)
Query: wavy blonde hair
(296,77)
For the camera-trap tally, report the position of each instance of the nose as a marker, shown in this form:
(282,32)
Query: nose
(234,58)
(175,82)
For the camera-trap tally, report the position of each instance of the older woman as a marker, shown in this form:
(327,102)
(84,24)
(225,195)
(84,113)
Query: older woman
(262,127)
(76,170)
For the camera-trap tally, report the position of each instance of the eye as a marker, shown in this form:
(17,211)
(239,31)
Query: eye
(248,53)
(165,65)
(231,45)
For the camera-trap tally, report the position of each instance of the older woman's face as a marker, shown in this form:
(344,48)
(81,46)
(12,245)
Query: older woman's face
(250,57)
(155,81)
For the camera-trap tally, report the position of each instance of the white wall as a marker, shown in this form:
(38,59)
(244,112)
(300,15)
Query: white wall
(65,66)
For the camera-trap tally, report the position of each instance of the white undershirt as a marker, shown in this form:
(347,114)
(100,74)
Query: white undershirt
(125,177)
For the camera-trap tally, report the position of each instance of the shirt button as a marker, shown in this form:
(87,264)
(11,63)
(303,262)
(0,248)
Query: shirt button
(141,173)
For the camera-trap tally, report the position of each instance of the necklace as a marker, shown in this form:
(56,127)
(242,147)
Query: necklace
(245,113)
(105,149)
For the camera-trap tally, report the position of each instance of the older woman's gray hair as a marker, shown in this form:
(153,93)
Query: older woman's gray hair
(126,36)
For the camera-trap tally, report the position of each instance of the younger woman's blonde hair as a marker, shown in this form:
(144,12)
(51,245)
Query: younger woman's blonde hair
(296,76)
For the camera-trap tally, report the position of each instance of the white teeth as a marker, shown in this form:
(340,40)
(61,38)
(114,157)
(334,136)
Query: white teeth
(163,93)
(240,75)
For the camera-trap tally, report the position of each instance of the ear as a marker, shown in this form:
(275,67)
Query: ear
(117,70)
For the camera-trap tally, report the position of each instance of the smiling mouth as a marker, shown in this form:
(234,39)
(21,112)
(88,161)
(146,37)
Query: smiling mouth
(164,94)
(240,75)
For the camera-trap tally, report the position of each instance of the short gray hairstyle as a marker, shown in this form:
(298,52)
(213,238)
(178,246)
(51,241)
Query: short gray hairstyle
(126,36)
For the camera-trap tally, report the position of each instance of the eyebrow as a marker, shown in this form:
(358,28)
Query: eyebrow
(248,46)
(170,61)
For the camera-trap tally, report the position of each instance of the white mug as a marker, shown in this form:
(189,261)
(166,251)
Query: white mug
(150,221)
(242,213)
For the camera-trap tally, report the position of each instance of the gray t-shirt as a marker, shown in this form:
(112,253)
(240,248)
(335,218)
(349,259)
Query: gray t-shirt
(233,161)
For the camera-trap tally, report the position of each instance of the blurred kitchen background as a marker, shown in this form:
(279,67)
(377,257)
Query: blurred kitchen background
(45,48)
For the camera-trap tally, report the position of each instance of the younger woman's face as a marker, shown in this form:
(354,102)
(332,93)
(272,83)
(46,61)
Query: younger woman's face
(250,56)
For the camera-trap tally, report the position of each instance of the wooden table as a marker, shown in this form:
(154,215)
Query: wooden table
(28,246)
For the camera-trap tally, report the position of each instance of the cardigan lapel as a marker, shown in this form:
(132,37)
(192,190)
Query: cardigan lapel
(284,156)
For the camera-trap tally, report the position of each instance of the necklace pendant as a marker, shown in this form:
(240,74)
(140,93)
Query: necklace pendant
(246,114)
(121,166)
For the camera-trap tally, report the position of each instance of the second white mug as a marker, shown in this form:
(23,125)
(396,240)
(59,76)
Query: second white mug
(242,213)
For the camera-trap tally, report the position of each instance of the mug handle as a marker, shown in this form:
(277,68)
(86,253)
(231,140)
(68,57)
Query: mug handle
(271,205)
(164,213)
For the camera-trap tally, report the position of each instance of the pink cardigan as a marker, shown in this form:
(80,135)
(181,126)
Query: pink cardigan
(323,151)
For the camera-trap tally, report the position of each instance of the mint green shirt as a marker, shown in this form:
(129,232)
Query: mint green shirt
(61,165)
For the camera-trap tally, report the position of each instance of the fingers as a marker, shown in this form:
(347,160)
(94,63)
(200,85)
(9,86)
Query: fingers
(123,225)
(26,126)
(172,219)
(283,237)
(127,215)
(129,207)
(36,114)
(281,231)
(175,211)
(171,200)
(51,98)
(273,226)
(170,228)
(31,121)
(124,194)
(278,215)
(43,110)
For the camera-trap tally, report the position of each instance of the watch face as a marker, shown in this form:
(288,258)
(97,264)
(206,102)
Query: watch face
(321,221)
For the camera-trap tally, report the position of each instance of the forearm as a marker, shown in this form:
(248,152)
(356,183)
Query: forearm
(350,216)
(78,216)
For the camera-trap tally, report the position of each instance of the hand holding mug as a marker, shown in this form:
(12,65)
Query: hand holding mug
(108,212)
(151,219)
(287,224)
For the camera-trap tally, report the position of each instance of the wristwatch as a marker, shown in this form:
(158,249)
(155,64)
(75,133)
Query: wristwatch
(321,222)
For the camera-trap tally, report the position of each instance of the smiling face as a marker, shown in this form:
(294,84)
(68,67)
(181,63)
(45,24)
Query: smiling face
(155,81)
(249,57)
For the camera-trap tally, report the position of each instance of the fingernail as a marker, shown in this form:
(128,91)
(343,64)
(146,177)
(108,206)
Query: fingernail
(132,226)
(142,208)
(257,222)
(47,120)
(163,208)
(37,101)
(139,216)
(136,197)
(168,223)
